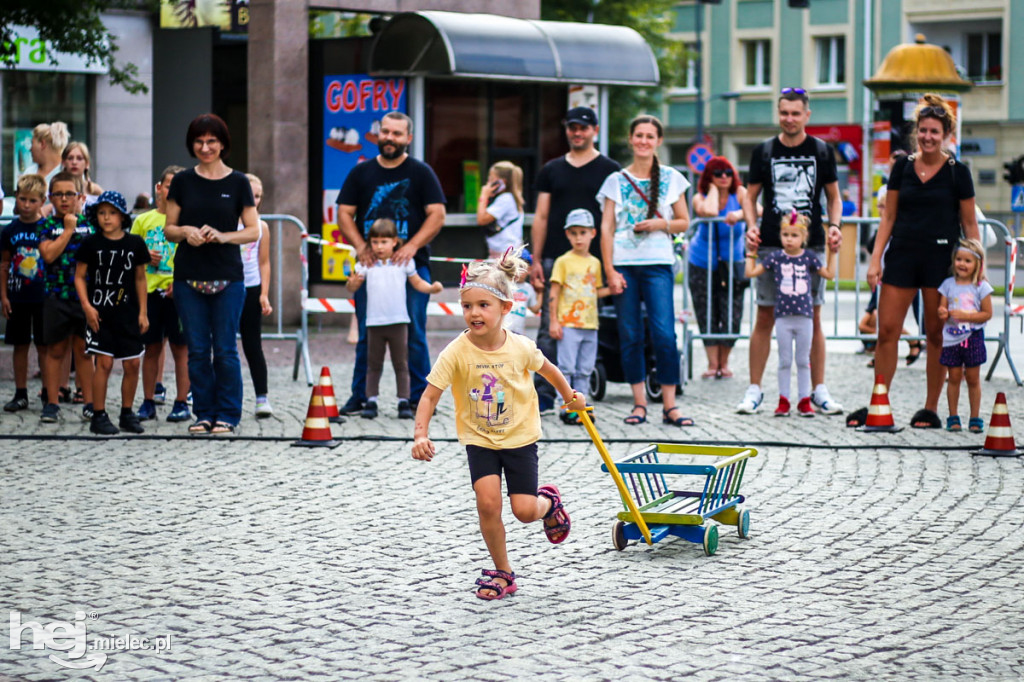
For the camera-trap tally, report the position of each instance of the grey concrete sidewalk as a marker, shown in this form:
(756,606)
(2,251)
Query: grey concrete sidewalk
(872,559)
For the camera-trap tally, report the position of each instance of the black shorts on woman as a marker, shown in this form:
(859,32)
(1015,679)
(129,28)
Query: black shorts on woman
(927,225)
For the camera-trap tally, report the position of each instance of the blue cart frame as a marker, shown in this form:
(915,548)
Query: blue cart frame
(654,506)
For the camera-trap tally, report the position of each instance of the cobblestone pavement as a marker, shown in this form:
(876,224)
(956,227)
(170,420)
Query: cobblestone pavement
(880,557)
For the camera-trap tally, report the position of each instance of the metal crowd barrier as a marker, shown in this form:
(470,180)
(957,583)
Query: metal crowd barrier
(863,225)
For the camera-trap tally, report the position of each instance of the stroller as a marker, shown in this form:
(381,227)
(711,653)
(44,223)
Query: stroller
(609,363)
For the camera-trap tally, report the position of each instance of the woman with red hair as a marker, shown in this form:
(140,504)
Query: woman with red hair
(716,251)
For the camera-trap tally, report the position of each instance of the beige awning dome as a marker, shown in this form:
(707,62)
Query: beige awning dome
(916,68)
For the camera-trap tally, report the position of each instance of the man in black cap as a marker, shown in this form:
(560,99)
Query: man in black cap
(564,184)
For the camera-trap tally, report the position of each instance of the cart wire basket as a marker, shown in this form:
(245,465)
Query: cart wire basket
(655,509)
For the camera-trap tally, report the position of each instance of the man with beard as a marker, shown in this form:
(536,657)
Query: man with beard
(396,186)
(792,170)
(563,185)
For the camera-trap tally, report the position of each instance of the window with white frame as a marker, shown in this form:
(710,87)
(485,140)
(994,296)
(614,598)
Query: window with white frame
(831,63)
(985,57)
(757,57)
(687,84)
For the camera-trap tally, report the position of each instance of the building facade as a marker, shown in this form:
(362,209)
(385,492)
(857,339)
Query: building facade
(750,49)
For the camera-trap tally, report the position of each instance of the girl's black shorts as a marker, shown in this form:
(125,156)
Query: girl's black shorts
(519,465)
(916,266)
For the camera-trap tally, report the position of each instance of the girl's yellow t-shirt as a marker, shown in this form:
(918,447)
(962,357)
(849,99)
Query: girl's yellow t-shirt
(495,401)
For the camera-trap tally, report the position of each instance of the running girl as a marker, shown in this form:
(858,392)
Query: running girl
(498,418)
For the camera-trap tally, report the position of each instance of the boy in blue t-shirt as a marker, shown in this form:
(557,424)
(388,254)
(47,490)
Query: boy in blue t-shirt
(21,282)
(63,319)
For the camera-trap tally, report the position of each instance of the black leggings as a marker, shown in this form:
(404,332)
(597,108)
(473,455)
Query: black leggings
(252,339)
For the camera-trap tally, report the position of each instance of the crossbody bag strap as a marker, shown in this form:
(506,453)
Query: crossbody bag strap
(639,191)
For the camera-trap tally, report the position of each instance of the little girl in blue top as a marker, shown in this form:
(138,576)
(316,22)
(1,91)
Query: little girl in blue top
(965,305)
(791,269)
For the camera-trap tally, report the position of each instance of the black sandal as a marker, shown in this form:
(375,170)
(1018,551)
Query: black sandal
(915,352)
(635,419)
(678,421)
(926,418)
(857,418)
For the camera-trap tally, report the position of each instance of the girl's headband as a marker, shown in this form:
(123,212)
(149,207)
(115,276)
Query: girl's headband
(464,284)
(971,251)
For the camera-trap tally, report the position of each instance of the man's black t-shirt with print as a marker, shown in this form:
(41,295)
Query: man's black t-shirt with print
(401,194)
(571,188)
(219,204)
(794,178)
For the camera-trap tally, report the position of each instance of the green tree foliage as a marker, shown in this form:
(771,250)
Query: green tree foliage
(652,19)
(74,27)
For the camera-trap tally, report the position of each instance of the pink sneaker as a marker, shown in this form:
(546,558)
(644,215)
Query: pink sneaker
(783,409)
(804,407)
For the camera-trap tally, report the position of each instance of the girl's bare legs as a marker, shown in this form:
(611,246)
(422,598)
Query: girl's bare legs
(953,390)
(488,508)
(973,376)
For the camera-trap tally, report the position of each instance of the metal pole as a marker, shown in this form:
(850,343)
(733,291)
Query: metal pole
(865,170)
(698,67)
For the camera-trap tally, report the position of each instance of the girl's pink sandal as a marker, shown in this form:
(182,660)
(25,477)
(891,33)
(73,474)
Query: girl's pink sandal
(560,531)
(500,591)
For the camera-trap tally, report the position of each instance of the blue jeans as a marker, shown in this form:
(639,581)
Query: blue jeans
(419,353)
(210,322)
(652,286)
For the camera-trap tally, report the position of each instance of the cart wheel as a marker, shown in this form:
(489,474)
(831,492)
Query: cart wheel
(743,523)
(652,386)
(619,535)
(710,539)
(598,382)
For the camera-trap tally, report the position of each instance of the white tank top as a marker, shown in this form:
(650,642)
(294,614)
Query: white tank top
(251,261)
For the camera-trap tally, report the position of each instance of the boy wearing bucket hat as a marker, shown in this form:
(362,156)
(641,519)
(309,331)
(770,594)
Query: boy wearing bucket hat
(111,282)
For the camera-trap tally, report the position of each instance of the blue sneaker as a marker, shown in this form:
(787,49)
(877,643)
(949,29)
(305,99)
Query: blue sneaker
(147,411)
(179,413)
(159,395)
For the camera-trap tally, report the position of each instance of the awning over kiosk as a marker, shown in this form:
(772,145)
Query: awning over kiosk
(489,46)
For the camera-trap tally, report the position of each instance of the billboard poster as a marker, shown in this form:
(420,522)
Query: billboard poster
(353,107)
(227,15)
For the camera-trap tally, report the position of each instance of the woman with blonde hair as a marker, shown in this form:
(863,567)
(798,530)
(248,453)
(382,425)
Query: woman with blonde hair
(48,143)
(499,211)
(77,161)
(929,200)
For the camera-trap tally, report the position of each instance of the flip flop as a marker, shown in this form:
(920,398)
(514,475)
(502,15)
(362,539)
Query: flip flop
(709,374)
(200,428)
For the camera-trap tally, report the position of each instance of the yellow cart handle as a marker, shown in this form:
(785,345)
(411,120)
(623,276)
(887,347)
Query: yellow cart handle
(588,424)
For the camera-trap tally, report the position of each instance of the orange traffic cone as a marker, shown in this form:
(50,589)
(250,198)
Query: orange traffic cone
(999,438)
(316,432)
(327,391)
(879,413)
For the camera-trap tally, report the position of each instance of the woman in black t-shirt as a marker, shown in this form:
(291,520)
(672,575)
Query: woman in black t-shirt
(930,197)
(204,207)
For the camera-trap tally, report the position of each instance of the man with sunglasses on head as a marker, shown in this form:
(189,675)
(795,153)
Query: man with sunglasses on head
(791,169)
(563,185)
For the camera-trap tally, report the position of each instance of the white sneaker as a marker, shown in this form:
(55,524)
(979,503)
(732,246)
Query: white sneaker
(824,402)
(751,402)
(263,408)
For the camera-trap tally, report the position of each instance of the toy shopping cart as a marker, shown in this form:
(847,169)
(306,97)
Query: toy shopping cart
(647,482)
